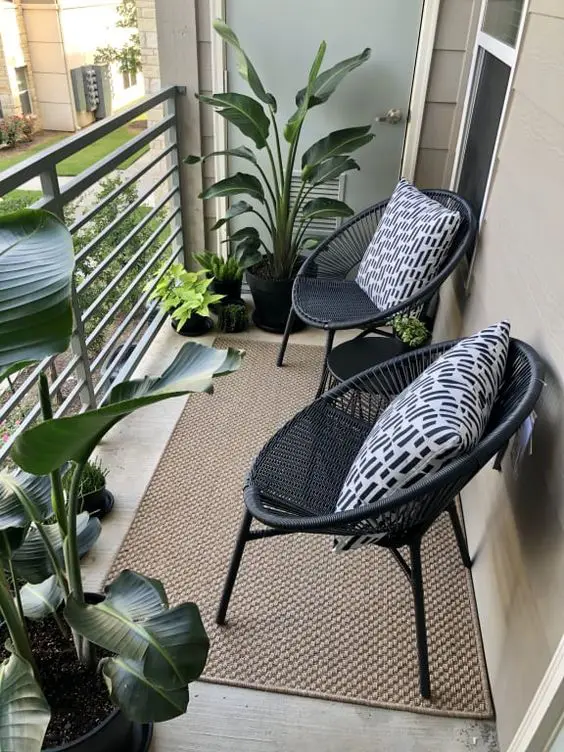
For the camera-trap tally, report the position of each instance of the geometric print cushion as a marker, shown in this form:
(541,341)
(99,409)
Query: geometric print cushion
(440,415)
(408,248)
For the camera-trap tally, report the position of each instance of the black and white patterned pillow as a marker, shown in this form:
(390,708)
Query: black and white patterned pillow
(440,415)
(408,248)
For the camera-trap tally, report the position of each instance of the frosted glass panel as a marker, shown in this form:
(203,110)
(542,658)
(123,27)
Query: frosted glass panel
(502,20)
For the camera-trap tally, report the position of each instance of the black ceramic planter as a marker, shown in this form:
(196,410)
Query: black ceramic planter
(116,733)
(194,327)
(273,301)
(98,503)
(230,288)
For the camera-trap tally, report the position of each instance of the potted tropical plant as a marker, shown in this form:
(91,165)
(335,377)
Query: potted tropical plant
(285,217)
(81,672)
(233,317)
(410,331)
(186,297)
(227,273)
(94,497)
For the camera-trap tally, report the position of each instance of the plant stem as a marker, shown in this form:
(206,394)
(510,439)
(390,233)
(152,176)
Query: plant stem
(72,558)
(16,588)
(58,570)
(259,215)
(278,148)
(267,183)
(57,492)
(274,171)
(16,626)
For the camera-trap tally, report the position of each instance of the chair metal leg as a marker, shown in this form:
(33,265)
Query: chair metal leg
(325,372)
(459,534)
(286,337)
(236,557)
(420,627)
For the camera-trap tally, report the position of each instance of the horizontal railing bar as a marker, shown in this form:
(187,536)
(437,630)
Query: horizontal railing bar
(50,157)
(116,192)
(100,169)
(131,287)
(104,352)
(114,223)
(69,399)
(140,349)
(147,219)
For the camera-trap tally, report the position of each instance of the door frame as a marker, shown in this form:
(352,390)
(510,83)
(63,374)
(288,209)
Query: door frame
(419,85)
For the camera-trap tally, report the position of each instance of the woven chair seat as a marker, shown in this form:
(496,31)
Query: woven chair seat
(333,303)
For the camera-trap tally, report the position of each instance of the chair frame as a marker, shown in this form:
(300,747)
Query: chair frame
(435,494)
(342,251)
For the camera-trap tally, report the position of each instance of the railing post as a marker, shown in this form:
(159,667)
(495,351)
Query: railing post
(177,179)
(51,189)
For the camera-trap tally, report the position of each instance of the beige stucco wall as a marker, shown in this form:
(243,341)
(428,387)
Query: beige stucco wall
(14,52)
(516,524)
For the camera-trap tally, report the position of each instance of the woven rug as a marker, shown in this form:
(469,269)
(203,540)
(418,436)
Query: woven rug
(302,619)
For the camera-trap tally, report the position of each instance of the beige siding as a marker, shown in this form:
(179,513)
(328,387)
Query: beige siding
(516,524)
(447,82)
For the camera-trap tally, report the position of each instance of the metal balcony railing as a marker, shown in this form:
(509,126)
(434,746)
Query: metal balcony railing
(127,229)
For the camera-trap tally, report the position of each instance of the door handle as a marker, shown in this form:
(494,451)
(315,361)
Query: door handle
(392,117)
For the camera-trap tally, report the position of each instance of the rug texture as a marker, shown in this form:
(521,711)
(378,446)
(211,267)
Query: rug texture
(302,619)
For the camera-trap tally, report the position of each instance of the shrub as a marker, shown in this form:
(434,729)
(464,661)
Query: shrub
(16,129)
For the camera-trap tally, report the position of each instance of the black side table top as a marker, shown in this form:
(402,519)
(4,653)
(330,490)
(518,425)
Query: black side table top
(357,355)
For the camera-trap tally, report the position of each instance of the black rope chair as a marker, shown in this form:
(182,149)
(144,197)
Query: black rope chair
(325,294)
(295,481)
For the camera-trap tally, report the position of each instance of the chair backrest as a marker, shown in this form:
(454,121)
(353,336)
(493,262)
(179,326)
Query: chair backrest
(419,506)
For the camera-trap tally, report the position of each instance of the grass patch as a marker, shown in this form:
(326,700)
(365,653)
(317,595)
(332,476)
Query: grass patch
(18,199)
(11,157)
(85,158)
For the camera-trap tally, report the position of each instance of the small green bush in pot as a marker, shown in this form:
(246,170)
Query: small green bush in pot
(233,317)
(128,655)
(94,497)
(187,298)
(228,272)
(411,331)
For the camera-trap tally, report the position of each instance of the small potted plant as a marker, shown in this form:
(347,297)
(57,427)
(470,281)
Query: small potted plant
(227,272)
(93,495)
(186,297)
(233,317)
(410,331)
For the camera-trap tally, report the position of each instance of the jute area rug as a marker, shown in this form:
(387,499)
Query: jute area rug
(302,619)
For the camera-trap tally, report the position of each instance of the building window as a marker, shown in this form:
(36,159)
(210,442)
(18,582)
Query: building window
(23,90)
(129,79)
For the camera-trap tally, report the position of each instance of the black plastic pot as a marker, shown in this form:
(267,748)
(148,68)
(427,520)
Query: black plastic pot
(273,301)
(98,503)
(230,288)
(116,733)
(194,327)
(404,348)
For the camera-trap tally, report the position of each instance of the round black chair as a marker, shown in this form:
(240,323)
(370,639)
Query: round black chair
(295,481)
(325,294)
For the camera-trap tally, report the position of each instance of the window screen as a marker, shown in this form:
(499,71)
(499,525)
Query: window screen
(23,89)
(489,96)
(502,20)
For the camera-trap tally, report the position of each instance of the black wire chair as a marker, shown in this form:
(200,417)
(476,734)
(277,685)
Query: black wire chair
(326,296)
(295,481)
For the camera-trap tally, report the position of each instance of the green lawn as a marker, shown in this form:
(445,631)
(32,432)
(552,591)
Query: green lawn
(9,158)
(83,159)
(18,199)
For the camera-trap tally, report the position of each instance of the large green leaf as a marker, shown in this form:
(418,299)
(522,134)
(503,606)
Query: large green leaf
(42,599)
(339,142)
(329,170)
(244,65)
(243,152)
(326,83)
(36,266)
(50,444)
(135,623)
(244,112)
(23,498)
(24,713)
(237,208)
(141,699)
(294,124)
(30,560)
(241,182)
(319,208)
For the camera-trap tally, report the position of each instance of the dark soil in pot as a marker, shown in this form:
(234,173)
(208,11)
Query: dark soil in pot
(272,299)
(98,503)
(194,327)
(77,695)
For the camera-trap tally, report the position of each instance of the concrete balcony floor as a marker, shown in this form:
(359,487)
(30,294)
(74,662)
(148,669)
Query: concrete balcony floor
(232,719)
